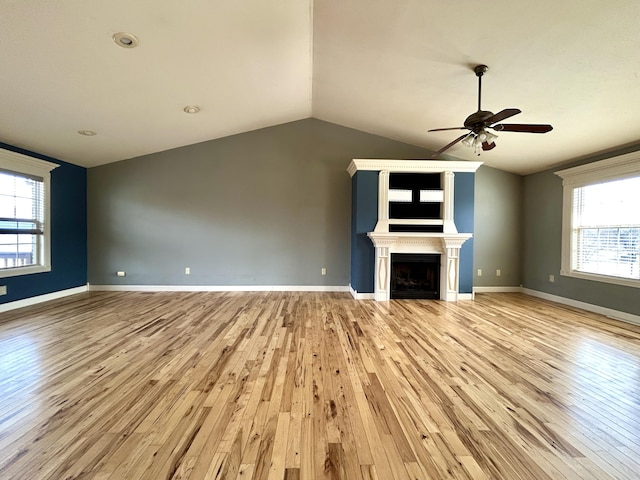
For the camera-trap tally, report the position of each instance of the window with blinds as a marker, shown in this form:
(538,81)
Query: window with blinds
(605,230)
(601,220)
(22,216)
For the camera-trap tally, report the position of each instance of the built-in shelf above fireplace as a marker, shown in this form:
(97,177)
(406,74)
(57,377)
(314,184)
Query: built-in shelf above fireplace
(416,216)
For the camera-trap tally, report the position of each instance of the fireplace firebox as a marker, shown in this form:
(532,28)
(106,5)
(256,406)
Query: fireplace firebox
(415,275)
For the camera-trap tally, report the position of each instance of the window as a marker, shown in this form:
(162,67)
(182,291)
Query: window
(601,221)
(24,214)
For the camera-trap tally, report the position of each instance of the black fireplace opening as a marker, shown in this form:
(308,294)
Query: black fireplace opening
(415,275)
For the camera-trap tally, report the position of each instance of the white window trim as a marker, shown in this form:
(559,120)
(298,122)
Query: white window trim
(615,168)
(19,163)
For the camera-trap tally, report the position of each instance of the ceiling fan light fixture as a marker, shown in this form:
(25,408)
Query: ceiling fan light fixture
(490,137)
(477,146)
(469,140)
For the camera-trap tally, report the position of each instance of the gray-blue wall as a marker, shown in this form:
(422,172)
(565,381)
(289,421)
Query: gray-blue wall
(498,228)
(68,209)
(268,207)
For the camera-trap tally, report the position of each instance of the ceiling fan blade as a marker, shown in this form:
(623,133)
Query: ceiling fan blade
(448,146)
(444,129)
(504,114)
(522,127)
(488,146)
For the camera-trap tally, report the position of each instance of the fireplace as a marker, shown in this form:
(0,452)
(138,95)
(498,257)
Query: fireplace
(415,220)
(415,275)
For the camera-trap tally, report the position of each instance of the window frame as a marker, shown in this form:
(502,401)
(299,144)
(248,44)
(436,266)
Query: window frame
(24,165)
(615,168)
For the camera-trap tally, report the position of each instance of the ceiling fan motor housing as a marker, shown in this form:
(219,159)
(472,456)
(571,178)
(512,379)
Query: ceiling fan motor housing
(477,121)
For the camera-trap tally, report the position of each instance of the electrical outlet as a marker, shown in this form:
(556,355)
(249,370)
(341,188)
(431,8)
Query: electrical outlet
(121,274)
(479,272)
(323,271)
(552,278)
(498,272)
(187,270)
(3,289)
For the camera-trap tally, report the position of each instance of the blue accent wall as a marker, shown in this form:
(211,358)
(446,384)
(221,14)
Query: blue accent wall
(68,234)
(463,200)
(364,216)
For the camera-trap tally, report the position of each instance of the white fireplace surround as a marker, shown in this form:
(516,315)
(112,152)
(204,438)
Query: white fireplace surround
(447,244)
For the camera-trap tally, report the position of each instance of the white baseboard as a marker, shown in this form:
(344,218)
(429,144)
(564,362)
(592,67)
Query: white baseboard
(608,312)
(497,289)
(218,288)
(466,296)
(361,296)
(5,307)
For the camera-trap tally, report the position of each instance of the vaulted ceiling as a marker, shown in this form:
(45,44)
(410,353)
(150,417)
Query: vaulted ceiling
(395,68)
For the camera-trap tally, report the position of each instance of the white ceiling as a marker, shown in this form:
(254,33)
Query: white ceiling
(394,68)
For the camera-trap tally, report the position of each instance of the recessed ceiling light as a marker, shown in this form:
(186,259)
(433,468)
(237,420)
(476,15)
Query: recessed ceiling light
(87,133)
(125,40)
(191,109)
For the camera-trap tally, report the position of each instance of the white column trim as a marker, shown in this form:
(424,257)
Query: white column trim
(383,202)
(448,178)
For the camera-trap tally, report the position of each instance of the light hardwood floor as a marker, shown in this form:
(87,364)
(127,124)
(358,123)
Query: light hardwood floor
(315,385)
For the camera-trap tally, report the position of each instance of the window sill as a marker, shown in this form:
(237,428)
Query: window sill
(627,282)
(16,272)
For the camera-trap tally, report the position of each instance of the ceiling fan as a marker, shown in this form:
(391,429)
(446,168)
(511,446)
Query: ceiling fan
(477,123)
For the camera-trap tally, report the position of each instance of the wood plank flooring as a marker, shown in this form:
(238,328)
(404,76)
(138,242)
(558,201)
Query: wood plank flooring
(316,386)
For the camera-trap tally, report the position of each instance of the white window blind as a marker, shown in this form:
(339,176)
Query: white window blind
(606,228)
(22,219)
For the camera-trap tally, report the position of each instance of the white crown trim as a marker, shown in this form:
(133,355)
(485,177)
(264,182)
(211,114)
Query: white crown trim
(616,167)
(415,166)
